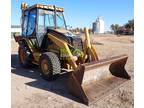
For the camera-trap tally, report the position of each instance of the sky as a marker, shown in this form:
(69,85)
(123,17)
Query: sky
(82,13)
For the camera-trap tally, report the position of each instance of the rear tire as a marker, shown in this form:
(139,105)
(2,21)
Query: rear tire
(24,55)
(50,65)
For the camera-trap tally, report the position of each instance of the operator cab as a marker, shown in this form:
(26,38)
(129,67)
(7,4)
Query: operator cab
(37,19)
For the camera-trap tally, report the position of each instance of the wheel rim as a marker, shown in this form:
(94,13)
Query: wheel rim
(44,66)
(22,55)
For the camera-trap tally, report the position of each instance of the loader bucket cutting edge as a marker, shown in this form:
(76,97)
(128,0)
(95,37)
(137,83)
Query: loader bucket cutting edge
(93,80)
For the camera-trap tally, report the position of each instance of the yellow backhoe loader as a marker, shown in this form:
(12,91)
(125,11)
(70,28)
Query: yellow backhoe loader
(46,42)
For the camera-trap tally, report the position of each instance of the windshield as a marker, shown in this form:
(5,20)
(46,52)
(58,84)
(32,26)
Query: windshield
(49,21)
(60,20)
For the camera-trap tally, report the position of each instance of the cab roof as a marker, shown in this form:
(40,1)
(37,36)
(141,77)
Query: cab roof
(41,6)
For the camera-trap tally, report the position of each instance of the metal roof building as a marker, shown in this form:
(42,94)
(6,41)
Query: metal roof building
(15,29)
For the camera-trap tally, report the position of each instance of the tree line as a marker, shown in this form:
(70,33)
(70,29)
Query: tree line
(127,28)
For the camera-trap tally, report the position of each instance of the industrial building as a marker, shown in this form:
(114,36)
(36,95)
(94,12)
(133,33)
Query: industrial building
(15,29)
(98,25)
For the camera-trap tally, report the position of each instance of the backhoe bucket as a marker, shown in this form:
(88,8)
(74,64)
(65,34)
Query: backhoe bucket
(93,80)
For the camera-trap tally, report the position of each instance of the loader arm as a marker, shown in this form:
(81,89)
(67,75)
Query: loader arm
(89,49)
(64,45)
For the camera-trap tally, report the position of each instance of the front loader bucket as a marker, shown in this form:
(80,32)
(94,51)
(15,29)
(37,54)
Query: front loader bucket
(93,80)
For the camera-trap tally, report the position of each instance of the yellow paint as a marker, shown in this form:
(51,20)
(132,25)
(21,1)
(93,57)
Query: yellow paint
(62,44)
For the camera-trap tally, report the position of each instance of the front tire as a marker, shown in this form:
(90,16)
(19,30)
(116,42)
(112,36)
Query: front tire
(49,65)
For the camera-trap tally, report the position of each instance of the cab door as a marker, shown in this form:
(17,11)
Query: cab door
(29,23)
(29,26)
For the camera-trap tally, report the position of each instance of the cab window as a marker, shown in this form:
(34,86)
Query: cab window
(41,28)
(31,22)
(25,21)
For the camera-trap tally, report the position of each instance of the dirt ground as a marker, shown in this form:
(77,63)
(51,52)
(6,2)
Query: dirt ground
(29,90)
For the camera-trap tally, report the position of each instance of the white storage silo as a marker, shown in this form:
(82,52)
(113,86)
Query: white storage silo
(98,26)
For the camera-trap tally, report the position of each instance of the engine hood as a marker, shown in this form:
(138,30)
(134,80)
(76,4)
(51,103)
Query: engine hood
(65,32)
(61,30)
(68,36)
(76,41)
